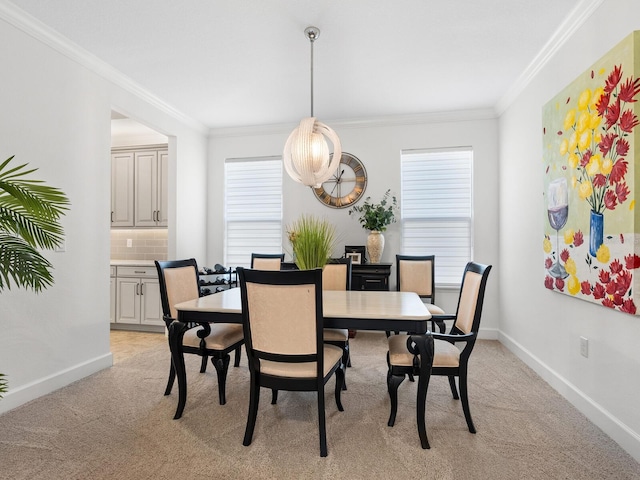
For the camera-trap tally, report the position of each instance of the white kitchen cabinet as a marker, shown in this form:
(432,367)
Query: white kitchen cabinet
(138,296)
(122,189)
(112,296)
(139,187)
(151,188)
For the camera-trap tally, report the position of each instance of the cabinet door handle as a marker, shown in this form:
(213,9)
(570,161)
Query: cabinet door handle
(111,216)
(137,288)
(142,289)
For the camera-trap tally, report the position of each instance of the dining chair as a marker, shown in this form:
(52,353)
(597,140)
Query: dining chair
(179,283)
(267,261)
(336,275)
(448,359)
(416,273)
(283,322)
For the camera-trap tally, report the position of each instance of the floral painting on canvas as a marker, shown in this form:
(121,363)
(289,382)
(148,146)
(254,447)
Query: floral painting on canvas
(591,227)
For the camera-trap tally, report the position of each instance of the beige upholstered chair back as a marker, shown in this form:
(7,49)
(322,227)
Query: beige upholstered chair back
(182,285)
(282,318)
(468,301)
(266,263)
(415,276)
(334,276)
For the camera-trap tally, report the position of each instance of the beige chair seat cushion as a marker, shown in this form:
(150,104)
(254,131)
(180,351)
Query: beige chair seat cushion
(222,336)
(332,355)
(445,354)
(336,335)
(434,309)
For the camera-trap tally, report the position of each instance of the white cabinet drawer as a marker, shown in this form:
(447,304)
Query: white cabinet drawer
(113,271)
(146,272)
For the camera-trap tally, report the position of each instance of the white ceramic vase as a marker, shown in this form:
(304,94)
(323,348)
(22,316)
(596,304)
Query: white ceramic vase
(375,246)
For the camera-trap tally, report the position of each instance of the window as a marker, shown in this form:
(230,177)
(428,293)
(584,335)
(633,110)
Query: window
(252,208)
(436,209)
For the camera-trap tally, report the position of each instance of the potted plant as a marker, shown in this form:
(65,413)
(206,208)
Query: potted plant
(376,217)
(312,240)
(29,220)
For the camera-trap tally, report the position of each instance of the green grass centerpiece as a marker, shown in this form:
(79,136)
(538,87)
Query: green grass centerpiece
(312,240)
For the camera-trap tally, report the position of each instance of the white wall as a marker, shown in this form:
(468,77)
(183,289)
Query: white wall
(378,145)
(541,326)
(56,117)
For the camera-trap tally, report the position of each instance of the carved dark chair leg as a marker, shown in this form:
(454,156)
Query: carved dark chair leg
(254,400)
(236,362)
(340,386)
(393,383)
(274,396)
(203,363)
(322,423)
(454,390)
(172,377)
(465,401)
(222,366)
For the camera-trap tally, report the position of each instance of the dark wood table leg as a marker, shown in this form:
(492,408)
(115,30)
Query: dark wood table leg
(176,333)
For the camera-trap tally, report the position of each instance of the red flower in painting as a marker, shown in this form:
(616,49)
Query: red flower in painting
(604,277)
(548,263)
(622,147)
(584,161)
(622,191)
(560,284)
(628,121)
(632,261)
(613,79)
(564,256)
(610,200)
(629,89)
(624,282)
(611,288)
(618,171)
(617,300)
(612,114)
(578,238)
(603,103)
(607,143)
(548,282)
(599,180)
(615,266)
(598,291)
(585,288)
(608,303)
(628,306)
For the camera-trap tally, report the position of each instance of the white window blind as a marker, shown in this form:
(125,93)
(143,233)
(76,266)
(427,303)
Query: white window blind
(437,210)
(252,208)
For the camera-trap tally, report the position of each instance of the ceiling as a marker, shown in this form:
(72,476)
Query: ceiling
(247,62)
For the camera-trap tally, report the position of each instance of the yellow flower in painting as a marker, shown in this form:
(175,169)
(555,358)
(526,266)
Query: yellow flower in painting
(583,122)
(585,190)
(597,93)
(573,285)
(583,100)
(597,138)
(594,121)
(568,236)
(570,266)
(574,160)
(593,167)
(564,147)
(574,182)
(632,204)
(603,254)
(607,166)
(569,119)
(584,140)
(546,245)
(573,141)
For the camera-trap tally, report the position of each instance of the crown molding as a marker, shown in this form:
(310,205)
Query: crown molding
(563,33)
(45,34)
(371,122)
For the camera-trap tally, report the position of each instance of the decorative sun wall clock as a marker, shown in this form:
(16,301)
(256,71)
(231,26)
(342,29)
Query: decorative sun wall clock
(591,226)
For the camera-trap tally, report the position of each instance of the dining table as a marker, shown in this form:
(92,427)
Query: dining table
(351,309)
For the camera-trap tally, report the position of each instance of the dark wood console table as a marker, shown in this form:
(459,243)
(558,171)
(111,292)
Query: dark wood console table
(370,276)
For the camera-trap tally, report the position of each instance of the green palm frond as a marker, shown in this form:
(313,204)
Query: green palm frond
(3,384)
(29,219)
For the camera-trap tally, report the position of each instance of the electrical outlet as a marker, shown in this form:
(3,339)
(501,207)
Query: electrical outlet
(584,347)
(129,242)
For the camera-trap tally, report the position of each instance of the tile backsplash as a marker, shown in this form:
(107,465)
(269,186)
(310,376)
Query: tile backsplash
(148,244)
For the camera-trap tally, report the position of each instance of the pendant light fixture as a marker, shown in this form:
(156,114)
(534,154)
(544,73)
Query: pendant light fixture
(306,153)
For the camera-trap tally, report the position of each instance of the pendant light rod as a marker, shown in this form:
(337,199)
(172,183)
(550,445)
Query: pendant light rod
(312,34)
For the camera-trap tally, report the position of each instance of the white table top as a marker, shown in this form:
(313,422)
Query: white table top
(336,304)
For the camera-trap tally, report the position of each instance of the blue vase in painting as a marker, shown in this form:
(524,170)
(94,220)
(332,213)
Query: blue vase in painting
(596,224)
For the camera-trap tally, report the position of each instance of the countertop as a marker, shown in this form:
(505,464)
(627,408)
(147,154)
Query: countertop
(132,263)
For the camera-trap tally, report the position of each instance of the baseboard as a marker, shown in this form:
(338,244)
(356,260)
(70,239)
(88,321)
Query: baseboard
(21,395)
(626,437)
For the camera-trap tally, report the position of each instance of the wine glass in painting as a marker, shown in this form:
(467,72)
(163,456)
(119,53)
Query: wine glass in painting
(558,211)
